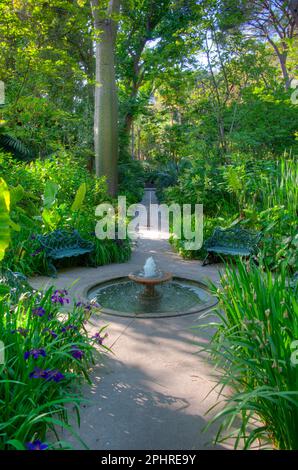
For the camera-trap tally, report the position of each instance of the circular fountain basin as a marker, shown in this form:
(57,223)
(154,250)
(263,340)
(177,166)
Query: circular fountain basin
(123,297)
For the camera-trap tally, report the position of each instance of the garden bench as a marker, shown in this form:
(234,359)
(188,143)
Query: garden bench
(61,244)
(13,282)
(233,241)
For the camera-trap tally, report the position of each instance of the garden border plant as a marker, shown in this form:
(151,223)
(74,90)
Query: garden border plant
(255,325)
(48,354)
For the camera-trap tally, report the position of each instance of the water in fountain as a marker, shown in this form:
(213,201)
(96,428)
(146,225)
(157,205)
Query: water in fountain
(176,298)
(150,269)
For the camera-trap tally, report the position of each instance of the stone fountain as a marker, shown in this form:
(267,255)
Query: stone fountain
(150,277)
(151,293)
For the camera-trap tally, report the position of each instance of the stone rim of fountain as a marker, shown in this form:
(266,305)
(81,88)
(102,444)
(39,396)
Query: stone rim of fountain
(199,308)
(165,277)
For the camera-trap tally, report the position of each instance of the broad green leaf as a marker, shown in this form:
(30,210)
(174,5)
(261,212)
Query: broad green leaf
(18,445)
(4,290)
(50,218)
(14,226)
(17,193)
(4,217)
(80,197)
(50,194)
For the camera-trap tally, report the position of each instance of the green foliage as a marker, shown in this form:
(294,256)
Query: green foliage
(266,122)
(14,283)
(31,407)
(11,144)
(4,218)
(255,326)
(131,181)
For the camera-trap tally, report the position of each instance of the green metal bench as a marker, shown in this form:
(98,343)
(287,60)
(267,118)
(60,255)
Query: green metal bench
(14,283)
(61,244)
(233,241)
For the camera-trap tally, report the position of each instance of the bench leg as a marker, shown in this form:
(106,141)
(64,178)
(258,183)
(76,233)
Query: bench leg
(52,271)
(205,260)
(90,260)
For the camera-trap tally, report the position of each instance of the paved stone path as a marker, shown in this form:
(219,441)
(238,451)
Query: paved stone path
(151,392)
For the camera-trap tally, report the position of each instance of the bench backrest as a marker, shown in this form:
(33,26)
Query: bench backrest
(234,237)
(63,239)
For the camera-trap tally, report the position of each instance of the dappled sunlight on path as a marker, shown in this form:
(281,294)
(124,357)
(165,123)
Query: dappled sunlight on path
(153,391)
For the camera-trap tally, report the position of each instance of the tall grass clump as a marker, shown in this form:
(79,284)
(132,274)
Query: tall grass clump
(45,354)
(283,190)
(254,348)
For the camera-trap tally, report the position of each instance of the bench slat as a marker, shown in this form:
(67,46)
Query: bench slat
(68,252)
(230,251)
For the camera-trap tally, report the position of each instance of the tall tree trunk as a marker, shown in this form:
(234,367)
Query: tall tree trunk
(294,10)
(282,57)
(133,141)
(106,97)
(128,120)
(129,116)
(139,143)
(284,69)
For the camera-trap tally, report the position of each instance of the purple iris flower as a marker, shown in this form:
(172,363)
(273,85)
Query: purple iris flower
(38,373)
(77,353)
(23,331)
(68,327)
(59,297)
(36,445)
(39,312)
(35,353)
(54,375)
(47,374)
(98,338)
(36,252)
(87,306)
(51,332)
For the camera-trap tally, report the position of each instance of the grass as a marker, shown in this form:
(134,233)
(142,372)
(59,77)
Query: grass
(256,326)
